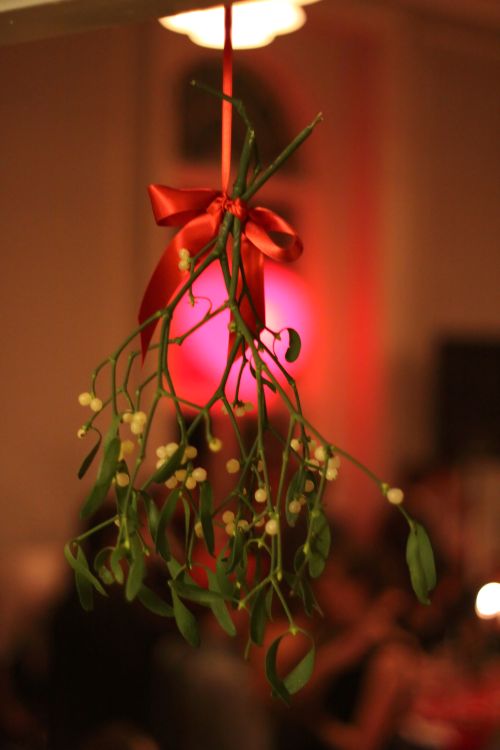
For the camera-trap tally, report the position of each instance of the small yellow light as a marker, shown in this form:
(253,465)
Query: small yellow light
(254,24)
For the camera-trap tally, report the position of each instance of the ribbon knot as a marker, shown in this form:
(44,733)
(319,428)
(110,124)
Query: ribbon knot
(199,213)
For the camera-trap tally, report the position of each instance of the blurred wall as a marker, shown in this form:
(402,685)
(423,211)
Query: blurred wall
(398,206)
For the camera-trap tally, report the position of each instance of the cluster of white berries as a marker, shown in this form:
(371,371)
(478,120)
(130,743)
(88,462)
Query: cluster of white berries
(136,421)
(239,408)
(230,526)
(184,263)
(320,456)
(190,478)
(89,399)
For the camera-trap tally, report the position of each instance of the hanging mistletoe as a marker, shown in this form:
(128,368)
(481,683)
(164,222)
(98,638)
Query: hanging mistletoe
(255,516)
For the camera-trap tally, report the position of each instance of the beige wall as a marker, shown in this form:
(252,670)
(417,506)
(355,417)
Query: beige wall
(401,224)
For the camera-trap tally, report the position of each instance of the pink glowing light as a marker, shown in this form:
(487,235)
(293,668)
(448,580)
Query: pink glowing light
(197,365)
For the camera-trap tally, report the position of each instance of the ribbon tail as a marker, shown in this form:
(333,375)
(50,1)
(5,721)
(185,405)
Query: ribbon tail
(166,277)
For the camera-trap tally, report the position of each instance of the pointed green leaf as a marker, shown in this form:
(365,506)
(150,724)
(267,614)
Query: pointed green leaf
(169,468)
(114,561)
(319,544)
(236,550)
(87,461)
(83,586)
(152,512)
(219,608)
(166,513)
(196,594)
(154,603)
(100,566)
(80,566)
(269,603)
(420,560)
(258,617)
(224,584)
(294,345)
(276,683)
(137,569)
(106,472)
(206,510)
(185,620)
(301,674)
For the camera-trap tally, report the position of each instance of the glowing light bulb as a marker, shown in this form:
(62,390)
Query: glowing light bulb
(254,24)
(488,601)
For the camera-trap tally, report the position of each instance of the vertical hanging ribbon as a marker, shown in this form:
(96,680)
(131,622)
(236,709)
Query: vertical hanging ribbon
(227,90)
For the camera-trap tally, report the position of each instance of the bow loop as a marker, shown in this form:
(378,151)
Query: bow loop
(199,213)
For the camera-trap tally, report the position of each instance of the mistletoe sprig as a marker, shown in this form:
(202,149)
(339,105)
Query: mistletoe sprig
(253,517)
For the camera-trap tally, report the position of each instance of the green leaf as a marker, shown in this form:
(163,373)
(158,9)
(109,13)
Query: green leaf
(154,603)
(136,571)
(206,510)
(219,608)
(258,617)
(114,561)
(319,545)
(301,674)
(236,550)
(196,594)
(185,620)
(294,345)
(83,586)
(224,584)
(87,461)
(100,566)
(80,566)
(269,603)
(420,560)
(296,678)
(166,513)
(169,468)
(106,472)
(276,683)
(152,513)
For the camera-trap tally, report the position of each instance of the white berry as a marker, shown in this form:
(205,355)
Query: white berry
(395,496)
(228,516)
(215,445)
(198,529)
(96,404)
(84,399)
(200,474)
(232,466)
(190,483)
(272,527)
(122,479)
(261,495)
(295,506)
(172,483)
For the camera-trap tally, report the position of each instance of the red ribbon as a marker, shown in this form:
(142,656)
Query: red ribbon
(199,213)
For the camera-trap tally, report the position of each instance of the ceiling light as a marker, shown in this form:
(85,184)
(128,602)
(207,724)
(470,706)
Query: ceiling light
(254,24)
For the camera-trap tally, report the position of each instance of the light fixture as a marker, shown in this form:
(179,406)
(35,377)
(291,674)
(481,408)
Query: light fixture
(255,23)
(488,601)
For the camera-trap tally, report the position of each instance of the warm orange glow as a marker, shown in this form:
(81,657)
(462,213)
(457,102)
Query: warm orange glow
(255,23)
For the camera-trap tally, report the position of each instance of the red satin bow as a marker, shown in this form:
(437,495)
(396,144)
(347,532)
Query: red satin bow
(199,212)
